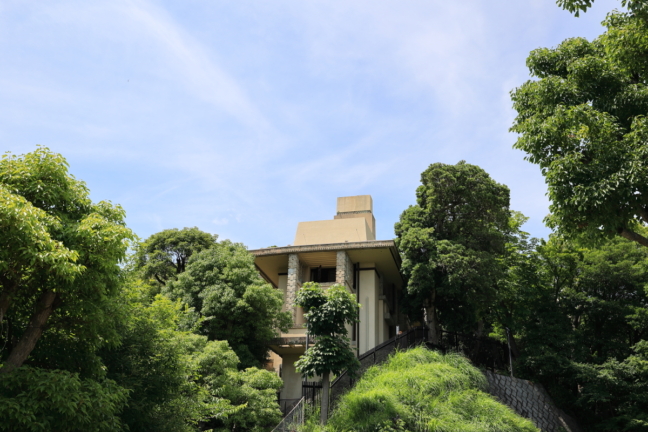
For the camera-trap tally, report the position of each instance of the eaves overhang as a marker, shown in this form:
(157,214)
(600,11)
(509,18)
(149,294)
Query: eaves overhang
(266,258)
(346,246)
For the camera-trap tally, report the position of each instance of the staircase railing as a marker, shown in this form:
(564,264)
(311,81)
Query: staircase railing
(482,351)
(293,419)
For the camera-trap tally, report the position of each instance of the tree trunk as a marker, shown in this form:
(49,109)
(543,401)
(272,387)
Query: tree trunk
(24,347)
(514,348)
(432,321)
(325,398)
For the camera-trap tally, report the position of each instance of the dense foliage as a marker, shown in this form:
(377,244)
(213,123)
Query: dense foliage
(576,314)
(578,303)
(452,242)
(422,390)
(165,255)
(86,344)
(232,302)
(583,122)
(59,256)
(580,316)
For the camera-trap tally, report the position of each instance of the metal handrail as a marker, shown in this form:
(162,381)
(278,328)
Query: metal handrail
(290,420)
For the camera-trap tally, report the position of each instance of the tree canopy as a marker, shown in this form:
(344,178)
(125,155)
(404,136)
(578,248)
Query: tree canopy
(577,6)
(583,122)
(84,346)
(581,320)
(59,255)
(233,303)
(165,255)
(451,241)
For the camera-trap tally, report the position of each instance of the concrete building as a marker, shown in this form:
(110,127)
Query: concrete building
(342,250)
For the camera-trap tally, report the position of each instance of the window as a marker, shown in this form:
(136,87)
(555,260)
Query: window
(322,275)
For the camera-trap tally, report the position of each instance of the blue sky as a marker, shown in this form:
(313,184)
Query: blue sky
(244,118)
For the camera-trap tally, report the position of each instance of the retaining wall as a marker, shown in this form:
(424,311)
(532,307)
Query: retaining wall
(532,401)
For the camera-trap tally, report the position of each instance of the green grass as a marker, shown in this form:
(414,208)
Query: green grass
(423,390)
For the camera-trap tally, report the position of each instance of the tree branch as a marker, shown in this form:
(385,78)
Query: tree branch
(27,342)
(633,236)
(159,279)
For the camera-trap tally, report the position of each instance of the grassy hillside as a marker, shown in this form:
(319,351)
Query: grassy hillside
(422,390)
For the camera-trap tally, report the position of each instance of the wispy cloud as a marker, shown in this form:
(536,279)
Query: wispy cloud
(249,117)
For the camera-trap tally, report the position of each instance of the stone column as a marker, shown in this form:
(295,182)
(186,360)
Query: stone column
(344,270)
(293,285)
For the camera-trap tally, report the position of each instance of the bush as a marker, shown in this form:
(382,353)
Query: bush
(423,390)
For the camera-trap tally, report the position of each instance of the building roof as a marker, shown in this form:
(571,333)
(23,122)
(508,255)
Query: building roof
(382,254)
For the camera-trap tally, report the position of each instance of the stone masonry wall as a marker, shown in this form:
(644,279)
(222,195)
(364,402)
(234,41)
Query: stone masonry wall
(293,284)
(530,400)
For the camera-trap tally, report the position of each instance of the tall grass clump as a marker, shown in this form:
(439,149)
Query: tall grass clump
(423,390)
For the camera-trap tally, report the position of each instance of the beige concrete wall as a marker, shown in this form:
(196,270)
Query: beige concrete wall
(282,285)
(368,311)
(275,361)
(333,231)
(369,217)
(378,309)
(354,203)
(291,378)
(295,332)
(381,322)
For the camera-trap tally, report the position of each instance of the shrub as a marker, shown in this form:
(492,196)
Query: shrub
(423,390)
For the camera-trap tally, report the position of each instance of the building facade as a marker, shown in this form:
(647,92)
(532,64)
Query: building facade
(343,250)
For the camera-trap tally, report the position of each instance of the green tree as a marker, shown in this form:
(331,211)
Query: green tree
(452,242)
(577,6)
(255,389)
(327,314)
(154,363)
(233,303)
(580,316)
(618,390)
(34,400)
(59,255)
(583,122)
(164,255)
(178,381)
(59,276)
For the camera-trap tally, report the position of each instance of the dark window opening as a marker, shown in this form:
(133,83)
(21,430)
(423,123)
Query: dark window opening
(322,275)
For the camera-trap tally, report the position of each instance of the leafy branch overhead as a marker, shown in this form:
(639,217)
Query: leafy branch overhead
(578,6)
(583,122)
